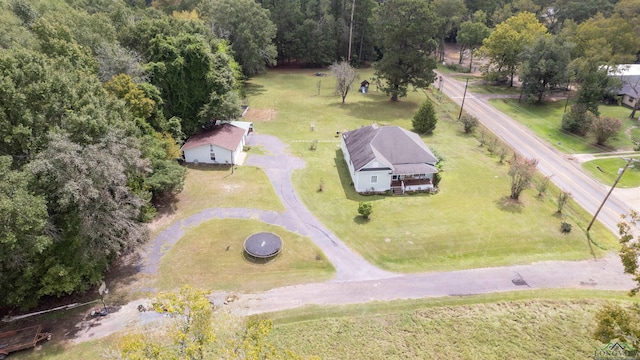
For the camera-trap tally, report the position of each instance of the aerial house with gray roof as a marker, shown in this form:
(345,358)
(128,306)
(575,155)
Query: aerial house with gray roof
(388,158)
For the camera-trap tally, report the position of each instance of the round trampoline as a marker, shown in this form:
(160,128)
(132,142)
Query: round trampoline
(264,245)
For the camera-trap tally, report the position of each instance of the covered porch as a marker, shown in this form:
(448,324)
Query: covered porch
(414,177)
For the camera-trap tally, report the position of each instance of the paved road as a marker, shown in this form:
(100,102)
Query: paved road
(564,172)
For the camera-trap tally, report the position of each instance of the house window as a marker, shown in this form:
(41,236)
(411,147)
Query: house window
(211,148)
(213,156)
(374,179)
(395,177)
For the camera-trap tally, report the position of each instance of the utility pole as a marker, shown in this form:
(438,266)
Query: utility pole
(620,173)
(353,8)
(466,84)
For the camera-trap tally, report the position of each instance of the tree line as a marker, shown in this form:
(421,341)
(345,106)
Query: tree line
(97,96)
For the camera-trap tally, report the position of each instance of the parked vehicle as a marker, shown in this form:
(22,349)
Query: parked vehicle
(16,340)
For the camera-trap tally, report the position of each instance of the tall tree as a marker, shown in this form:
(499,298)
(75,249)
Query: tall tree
(287,16)
(506,43)
(406,31)
(345,76)
(195,81)
(606,41)
(450,14)
(545,66)
(248,28)
(94,213)
(470,36)
(581,10)
(24,238)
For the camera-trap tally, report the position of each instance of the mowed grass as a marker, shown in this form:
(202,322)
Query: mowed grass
(202,260)
(545,120)
(470,223)
(608,171)
(525,325)
(208,186)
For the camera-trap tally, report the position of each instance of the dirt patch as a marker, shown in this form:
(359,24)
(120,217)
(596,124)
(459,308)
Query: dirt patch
(260,114)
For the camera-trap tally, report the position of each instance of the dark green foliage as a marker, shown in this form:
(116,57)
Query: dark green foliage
(23,239)
(425,120)
(196,83)
(594,85)
(544,67)
(365,209)
(406,30)
(565,227)
(25,11)
(577,120)
(247,27)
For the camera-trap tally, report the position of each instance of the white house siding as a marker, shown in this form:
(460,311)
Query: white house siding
(629,101)
(363,177)
(236,153)
(202,154)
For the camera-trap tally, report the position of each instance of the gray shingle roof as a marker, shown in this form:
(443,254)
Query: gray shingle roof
(401,150)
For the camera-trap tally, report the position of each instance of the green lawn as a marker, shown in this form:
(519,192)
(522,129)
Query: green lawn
(545,121)
(609,173)
(209,186)
(202,260)
(549,324)
(470,223)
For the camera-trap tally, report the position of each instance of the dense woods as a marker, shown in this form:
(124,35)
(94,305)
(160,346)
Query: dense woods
(97,96)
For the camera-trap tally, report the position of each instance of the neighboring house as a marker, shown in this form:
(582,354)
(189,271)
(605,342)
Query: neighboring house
(221,144)
(388,158)
(629,74)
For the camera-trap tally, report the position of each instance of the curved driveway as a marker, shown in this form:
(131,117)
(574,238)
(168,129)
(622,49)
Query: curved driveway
(358,281)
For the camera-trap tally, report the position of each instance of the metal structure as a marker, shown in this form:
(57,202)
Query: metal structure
(21,339)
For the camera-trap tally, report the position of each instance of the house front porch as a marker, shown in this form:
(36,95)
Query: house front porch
(406,183)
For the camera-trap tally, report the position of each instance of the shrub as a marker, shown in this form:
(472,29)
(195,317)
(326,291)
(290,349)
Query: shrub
(578,120)
(605,127)
(565,227)
(521,172)
(563,197)
(542,185)
(425,120)
(313,145)
(469,123)
(365,209)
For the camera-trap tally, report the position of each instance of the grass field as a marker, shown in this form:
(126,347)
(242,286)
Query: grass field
(522,325)
(609,171)
(217,187)
(201,259)
(470,223)
(545,121)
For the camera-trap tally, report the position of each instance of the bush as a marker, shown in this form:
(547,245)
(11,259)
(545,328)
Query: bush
(469,123)
(604,128)
(578,120)
(365,209)
(313,145)
(425,120)
(565,227)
